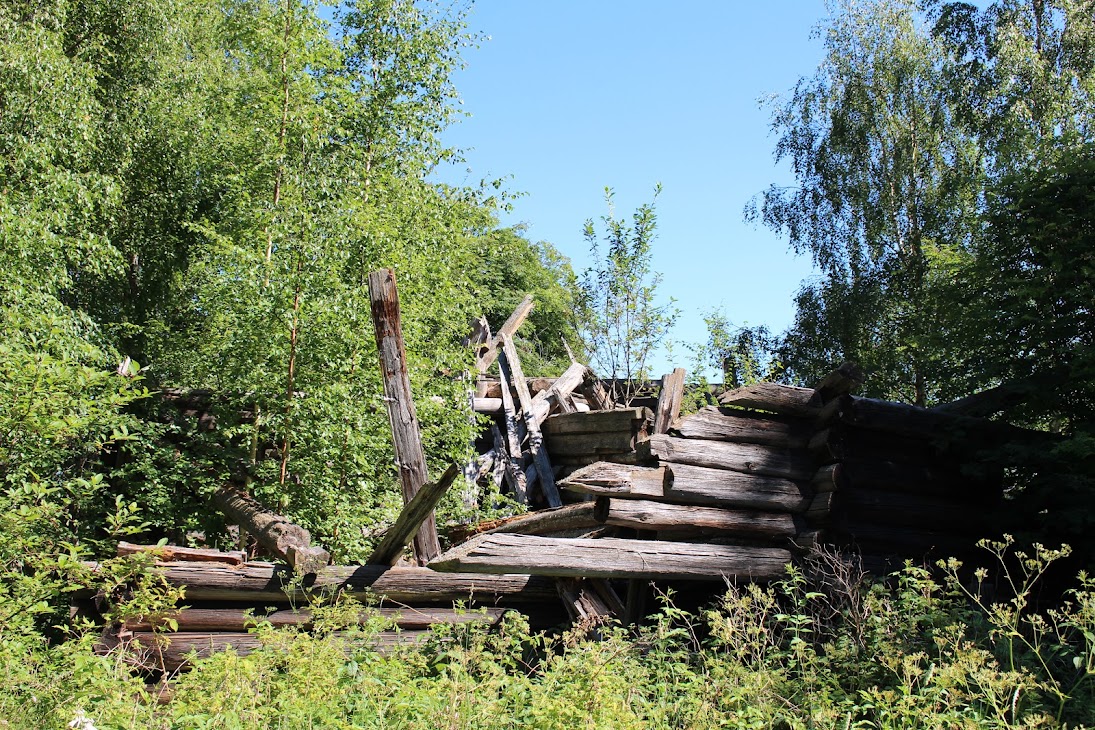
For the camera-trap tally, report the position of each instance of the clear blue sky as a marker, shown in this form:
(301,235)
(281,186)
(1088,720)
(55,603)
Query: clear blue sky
(568,97)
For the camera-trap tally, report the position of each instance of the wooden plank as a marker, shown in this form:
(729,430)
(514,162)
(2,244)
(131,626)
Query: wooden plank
(583,603)
(596,395)
(512,363)
(570,517)
(286,540)
(612,558)
(169,553)
(565,384)
(489,406)
(642,514)
(669,400)
(402,417)
(685,484)
(514,435)
(509,329)
(728,424)
(243,618)
(745,458)
(775,398)
(400,534)
(586,444)
(630,420)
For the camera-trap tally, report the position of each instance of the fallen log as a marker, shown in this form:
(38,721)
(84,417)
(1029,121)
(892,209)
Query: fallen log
(570,517)
(277,534)
(727,424)
(889,476)
(585,444)
(268,584)
(243,619)
(612,558)
(744,458)
(631,420)
(642,514)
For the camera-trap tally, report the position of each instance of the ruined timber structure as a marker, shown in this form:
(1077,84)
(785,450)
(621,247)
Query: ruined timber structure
(621,498)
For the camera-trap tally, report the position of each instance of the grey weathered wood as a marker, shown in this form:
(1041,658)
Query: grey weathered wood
(583,444)
(514,436)
(596,395)
(841,381)
(286,540)
(267,584)
(413,514)
(785,399)
(173,652)
(727,424)
(489,406)
(512,362)
(570,517)
(565,384)
(746,458)
(642,514)
(669,400)
(685,484)
(631,420)
(509,328)
(612,558)
(241,618)
(169,553)
(402,417)
(563,402)
(583,602)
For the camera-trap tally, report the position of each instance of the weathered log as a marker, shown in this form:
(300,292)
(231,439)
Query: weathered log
(685,484)
(584,444)
(489,406)
(172,553)
(612,558)
(400,534)
(277,534)
(774,398)
(745,458)
(570,517)
(512,363)
(902,509)
(584,603)
(908,542)
(242,619)
(268,584)
(642,514)
(1004,396)
(983,489)
(629,420)
(492,388)
(841,381)
(595,394)
(938,426)
(509,328)
(821,507)
(728,424)
(402,417)
(566,384)
(669,400)
(840,442)
(172,652)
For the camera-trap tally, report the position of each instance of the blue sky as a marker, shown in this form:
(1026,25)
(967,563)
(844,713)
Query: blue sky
(568,97)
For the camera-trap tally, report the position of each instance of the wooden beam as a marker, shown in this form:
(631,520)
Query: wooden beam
(406,439)
(509,329)
(612,558)
(171,553)
(641,514)
(629,420)
(511,362)
(669,400)
(267,584)
(728,424)
(745,458)
(514,434)
(411,518)
(282,538)
(240,618)
(775,398)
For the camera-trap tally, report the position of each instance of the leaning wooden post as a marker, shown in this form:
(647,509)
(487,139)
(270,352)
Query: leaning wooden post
(406,438)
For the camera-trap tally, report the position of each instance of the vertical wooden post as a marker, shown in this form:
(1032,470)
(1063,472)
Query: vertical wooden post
(406,438)
(512,365)
(669,400)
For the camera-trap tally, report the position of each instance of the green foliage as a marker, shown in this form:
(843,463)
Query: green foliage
(624,323)
(826,647)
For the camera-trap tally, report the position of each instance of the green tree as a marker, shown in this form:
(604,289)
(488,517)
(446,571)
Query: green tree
(625,325)
(886,178)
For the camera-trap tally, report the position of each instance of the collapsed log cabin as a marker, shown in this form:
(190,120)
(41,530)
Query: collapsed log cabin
(621,497)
